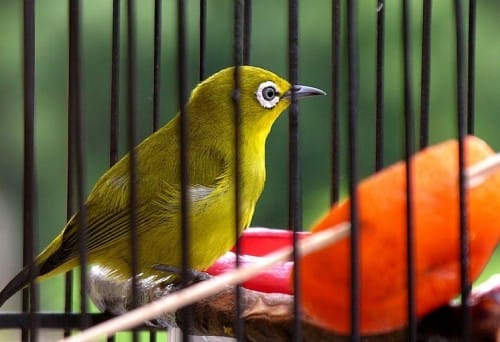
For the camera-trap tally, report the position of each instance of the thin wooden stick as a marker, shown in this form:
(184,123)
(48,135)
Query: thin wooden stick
(476,175)
(479,172)
(198,291)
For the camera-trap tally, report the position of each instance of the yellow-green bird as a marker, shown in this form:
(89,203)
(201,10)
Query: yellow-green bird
(211,190)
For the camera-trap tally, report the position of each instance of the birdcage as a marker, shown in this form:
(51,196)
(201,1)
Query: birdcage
(86,81)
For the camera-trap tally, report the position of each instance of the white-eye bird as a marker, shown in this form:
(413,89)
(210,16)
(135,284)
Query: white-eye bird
(210,115)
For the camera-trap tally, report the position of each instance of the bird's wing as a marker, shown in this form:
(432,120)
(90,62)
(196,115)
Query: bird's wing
(116,225)
(106,228)
(108,222)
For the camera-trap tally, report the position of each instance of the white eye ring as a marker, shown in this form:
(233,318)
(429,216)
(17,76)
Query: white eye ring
(268,94)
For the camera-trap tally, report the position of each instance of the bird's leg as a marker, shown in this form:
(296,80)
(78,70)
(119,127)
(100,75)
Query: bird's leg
(193,276)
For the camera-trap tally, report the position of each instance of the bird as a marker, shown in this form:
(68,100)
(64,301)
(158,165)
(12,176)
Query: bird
(210,118)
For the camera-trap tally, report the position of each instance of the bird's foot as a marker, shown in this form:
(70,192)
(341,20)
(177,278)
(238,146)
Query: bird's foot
(184,277)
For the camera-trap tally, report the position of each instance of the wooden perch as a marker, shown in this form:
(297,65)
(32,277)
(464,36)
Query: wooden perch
(269,316)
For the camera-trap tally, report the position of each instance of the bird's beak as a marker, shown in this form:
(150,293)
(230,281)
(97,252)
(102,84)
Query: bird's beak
(301,91)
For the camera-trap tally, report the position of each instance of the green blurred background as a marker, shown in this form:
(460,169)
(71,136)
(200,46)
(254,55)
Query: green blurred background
(269,50)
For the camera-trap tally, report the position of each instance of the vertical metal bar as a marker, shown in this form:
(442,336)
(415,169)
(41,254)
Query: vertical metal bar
(294,199)
(70,179)
(182,88)
(465,285)
(379,92)
(408,139)
(353,110)
(115,85)
(156,65)
(184,155)
(425,73)
(247,31)
(30,296)
(335,105)
(131,132)
(156,85)
(75,110)
(203,38)
(471,65)
(115,91)
(238,53)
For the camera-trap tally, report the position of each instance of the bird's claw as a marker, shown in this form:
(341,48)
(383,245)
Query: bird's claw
(190,276)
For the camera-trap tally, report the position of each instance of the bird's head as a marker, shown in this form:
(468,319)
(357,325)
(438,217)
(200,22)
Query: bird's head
(263,96)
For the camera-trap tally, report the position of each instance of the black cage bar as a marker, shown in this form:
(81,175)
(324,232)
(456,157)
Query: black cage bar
(123,65)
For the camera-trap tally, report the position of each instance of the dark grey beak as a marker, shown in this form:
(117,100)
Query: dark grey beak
(303,91)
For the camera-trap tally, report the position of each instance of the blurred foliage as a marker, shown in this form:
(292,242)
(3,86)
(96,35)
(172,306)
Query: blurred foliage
(269,50)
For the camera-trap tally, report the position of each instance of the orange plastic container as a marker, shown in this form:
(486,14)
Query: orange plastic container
(382,216)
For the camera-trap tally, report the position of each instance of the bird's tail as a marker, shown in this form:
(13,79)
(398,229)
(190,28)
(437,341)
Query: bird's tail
(45,265)
(51,261)
(19,282)
(42,268)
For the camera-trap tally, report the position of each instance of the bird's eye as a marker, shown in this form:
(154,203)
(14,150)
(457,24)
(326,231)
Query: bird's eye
(268,94)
